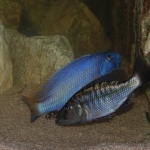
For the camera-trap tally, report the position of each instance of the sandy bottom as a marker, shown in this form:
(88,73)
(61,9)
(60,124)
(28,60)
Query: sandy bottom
(128,129)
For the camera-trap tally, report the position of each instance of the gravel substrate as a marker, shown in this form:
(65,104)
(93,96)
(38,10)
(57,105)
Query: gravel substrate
(128,129)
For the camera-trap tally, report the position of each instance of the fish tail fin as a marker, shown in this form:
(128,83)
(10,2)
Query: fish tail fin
(32,107)
(142,69)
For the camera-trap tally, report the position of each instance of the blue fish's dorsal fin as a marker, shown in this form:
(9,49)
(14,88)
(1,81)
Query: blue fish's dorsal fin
(116,75)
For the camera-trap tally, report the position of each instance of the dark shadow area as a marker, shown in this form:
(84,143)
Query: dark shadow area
(25,27)
(117,19)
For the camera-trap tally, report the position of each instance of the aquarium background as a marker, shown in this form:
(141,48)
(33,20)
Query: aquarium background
(38,37)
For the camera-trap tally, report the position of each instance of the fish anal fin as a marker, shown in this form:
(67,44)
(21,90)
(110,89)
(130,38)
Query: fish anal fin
(51,114)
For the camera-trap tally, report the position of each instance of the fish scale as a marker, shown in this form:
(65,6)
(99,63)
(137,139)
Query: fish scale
(110,98)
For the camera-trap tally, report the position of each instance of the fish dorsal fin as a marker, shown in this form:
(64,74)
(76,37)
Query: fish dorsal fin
(118,74)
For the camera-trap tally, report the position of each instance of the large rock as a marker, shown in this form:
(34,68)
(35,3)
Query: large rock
(6,79)
(145,34)
(146,49)
(69,18)
(10,13)
(34,11)
(145,40)
(74,20)
(37,57)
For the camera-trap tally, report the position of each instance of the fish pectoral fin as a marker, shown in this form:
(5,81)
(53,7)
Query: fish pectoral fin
(51,114)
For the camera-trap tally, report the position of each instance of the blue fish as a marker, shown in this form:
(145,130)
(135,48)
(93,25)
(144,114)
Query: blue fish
(54,94)
(104,98)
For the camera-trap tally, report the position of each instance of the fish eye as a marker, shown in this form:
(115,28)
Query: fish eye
(109,57)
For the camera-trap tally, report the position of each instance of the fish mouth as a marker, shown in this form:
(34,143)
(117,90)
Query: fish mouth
(65,119)
(71,117)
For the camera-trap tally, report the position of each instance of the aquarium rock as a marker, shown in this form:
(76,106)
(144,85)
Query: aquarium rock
(6,79)
(33,58)
(10,13)
(145,33)
(147,45)
(72,19)
(38,57)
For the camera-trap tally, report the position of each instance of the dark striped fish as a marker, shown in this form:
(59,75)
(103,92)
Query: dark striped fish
(102,99)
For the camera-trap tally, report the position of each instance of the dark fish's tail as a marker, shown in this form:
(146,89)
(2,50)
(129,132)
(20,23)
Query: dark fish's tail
(33,109)
(142,69)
